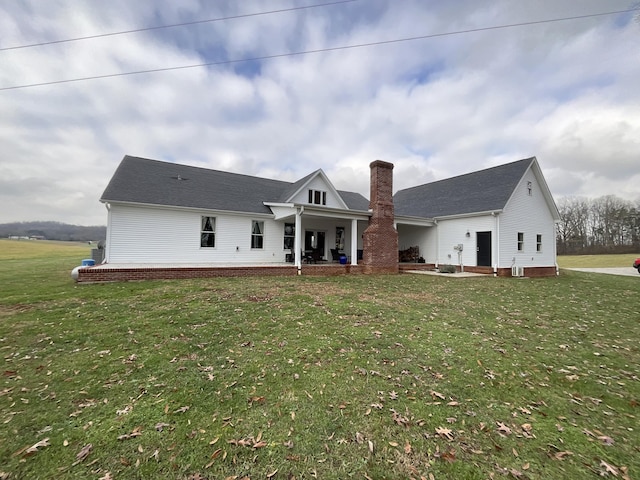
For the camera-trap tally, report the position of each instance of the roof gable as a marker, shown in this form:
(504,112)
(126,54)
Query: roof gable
(317,180)
(154,182)
(481,191)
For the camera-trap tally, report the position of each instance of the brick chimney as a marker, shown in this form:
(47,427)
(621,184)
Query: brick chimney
(380,239)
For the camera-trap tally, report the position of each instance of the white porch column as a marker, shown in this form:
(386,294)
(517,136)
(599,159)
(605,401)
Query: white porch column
(354,242)
(297,242)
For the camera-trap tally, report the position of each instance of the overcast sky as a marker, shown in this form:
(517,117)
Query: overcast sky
(567,92)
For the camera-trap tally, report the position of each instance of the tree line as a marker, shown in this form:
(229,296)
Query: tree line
(53,231)
(601,225)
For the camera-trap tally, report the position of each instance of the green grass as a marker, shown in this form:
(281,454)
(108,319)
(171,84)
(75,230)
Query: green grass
(597,261)
(376,377)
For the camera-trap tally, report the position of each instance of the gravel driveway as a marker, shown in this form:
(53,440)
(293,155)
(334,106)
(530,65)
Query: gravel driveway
(627,271)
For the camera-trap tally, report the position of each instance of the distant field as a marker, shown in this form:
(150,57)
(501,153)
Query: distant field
(597,261)
(23,249)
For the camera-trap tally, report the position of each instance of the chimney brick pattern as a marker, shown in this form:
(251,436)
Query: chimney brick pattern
(380,239)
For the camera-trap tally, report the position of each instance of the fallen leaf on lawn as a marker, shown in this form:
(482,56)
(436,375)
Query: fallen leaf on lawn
(156,455)
(606,440)
(370,446)
(393,444)
(135,433)
(33,448)
(214,441)
(608,468)
(272,474)
(107,476)
(435,394)
(444,432)
(161,425)
(407,448)
(259,444)
(561,455)
(503,429)
(515,452)
(181,409)
(449,456)
(83,453)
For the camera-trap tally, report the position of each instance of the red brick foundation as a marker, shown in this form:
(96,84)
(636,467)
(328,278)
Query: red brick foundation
(104,274)
(529,272)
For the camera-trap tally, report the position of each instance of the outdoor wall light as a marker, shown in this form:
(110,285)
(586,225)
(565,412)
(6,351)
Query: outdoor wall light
(468,234)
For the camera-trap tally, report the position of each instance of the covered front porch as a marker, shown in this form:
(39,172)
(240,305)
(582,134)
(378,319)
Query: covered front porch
(316,236)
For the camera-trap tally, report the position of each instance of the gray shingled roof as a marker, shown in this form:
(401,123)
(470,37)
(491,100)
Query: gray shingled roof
(481,191)
(153,182)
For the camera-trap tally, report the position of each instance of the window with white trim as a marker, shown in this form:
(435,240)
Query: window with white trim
(208,232)
(538,243)
(257,234)
(521,241)
(289,235)
(317,197)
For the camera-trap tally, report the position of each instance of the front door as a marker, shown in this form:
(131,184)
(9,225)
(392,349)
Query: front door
(314,244)
(483,248)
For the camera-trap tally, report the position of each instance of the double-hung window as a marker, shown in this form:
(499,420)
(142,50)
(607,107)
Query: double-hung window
(521,241)
(257,234)
(538,243)
(208,232)
(289,235)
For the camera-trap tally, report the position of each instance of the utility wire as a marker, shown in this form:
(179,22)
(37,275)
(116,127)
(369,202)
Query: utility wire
(174,25)
(320,50)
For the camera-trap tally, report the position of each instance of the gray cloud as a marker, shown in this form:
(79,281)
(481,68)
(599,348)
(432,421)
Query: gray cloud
(565,92)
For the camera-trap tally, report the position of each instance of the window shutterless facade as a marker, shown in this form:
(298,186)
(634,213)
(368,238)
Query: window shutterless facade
(538,243)
(208,232)
(521,241)
(257,234)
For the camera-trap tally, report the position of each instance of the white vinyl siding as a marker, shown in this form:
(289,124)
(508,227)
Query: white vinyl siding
(454,232)
(164,236)
(318,184)
(530,215)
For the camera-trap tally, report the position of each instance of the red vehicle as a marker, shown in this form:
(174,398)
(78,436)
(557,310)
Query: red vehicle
(636,264)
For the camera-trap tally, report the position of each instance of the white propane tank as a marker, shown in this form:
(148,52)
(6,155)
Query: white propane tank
(74,273)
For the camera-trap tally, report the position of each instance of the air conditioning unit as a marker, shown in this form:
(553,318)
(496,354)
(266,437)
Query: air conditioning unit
(517,271)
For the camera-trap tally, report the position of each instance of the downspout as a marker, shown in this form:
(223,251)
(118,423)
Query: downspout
(107,247)
(555,248)
(298,240)
(435,221)
(497,243)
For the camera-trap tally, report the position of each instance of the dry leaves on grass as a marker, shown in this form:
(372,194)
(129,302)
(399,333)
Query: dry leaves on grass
(83,453)
(136,432)
(30,450)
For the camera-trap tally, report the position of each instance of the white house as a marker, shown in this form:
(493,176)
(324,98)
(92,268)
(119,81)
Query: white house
(162,213)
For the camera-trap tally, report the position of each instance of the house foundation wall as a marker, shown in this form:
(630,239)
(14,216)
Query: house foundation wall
(501,272)
(101,274)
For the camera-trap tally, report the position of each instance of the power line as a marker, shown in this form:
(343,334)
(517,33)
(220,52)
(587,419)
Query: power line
(320,50)
(174,25)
